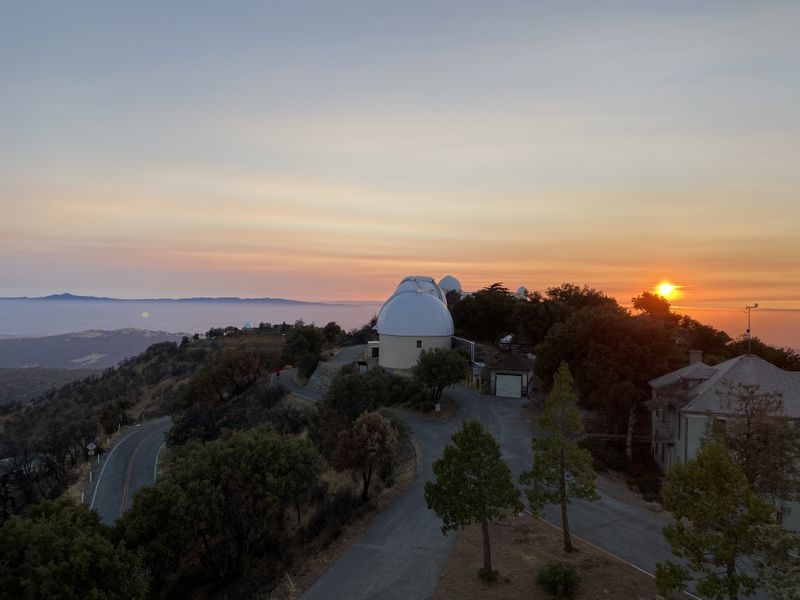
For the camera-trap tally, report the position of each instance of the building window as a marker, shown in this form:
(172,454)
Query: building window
(419,343)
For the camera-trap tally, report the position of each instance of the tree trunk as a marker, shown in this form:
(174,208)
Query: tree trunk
(487,547)
(366,477)
(563,493)
(629,436)
(730,572)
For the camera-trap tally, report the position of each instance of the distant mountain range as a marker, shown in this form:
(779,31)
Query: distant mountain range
(69,297)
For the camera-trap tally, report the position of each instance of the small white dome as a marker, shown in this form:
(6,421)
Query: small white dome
(449,283)
(414,313)
(247,326)
(523,291)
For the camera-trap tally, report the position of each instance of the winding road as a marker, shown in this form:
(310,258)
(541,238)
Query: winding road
(403,552)
(130,464)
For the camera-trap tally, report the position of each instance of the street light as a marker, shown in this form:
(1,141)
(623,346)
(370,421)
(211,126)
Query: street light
(749,335)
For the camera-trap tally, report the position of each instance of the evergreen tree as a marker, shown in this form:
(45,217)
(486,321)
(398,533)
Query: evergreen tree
(718,520)
(473,485)
(561,470)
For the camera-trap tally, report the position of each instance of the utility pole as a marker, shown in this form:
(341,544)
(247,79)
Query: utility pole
(749,333)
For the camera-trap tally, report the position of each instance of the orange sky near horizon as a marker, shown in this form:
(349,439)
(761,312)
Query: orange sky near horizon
(324,153)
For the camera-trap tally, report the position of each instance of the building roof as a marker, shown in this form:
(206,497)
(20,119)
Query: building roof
(415,309)
(511,361)
(697,371)
(421,283)
(699,388)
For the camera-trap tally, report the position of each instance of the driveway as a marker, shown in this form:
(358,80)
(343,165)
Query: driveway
(403,552)
(130,464)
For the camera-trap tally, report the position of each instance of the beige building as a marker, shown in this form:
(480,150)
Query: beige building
(683,402)
(413,319)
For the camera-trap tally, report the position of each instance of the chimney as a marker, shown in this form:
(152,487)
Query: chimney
(695,356)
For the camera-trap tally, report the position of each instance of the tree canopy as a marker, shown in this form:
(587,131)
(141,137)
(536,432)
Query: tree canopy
(61,550)
(561,470)
(369,445)
(439,368)
(718,520)
(473,484)
(764,443)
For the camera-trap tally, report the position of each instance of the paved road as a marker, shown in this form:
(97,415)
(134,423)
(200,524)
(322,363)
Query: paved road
(403,552)
(130,464)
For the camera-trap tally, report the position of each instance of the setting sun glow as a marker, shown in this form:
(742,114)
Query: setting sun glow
(666,289)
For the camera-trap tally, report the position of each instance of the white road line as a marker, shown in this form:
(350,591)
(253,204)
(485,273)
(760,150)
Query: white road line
(100,476)
(155,464)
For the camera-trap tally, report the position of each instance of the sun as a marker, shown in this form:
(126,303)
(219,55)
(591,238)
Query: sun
(666,289)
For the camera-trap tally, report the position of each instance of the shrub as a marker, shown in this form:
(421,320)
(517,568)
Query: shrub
(649,484)
(559,580)
(606,456)
(307,365)
(489,576)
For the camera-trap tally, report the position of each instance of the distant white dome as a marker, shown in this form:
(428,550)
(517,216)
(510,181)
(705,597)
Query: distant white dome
(414,313)
(420,283)
(448,283)
(247,326)
(523,291)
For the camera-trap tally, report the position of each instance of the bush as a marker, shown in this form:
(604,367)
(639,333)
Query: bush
(487,575)
(559,580)
(649,484)
(307,365)
(606,456)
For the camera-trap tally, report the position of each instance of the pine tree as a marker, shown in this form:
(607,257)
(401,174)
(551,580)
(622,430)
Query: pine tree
(561,470)
(473,485)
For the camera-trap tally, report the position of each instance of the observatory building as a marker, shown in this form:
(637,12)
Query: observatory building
(413,319)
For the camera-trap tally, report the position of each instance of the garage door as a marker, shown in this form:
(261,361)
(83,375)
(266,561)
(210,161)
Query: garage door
(508,386)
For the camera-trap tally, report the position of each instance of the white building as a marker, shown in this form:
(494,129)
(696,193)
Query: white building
(683,402)
(413,319)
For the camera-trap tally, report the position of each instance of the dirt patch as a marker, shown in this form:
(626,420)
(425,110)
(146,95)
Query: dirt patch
(523,545)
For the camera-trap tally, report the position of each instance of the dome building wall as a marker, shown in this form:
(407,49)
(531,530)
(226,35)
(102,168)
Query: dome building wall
(413,319)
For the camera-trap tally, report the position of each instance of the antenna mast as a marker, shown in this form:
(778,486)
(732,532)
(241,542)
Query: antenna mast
(749,334)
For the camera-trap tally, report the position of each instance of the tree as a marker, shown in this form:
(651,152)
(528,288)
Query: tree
(718,517)
(224,501)
(778,562)
(613,356)
(302,340)
(561,470)
(486,315)
(764,443)
(473,485)
(61,550)
(654,305)
(331,332)
(369,445)
(438,368)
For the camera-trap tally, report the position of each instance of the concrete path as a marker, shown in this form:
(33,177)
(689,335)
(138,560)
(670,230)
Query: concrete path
(346,355)
(127,466)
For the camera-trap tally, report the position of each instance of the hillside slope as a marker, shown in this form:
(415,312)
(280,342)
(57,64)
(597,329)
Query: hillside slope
(92,349)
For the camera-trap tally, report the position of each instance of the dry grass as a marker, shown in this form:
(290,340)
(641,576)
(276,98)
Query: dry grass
(523,545)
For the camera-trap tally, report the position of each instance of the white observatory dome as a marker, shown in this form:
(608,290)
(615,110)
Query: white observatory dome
(522,292)
(420,283)
(449,283)
(414,313)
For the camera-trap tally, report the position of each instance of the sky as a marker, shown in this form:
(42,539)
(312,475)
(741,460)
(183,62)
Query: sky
(323,150)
